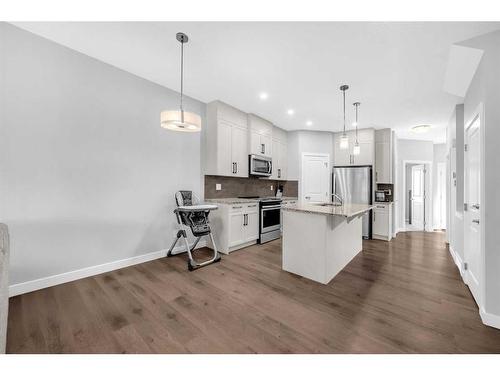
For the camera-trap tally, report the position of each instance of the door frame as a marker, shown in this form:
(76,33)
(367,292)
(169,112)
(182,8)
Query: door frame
(428,197)
(478,113)
(319,154)
(442,216)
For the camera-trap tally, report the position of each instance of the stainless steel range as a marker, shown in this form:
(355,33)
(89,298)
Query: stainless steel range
(269,219)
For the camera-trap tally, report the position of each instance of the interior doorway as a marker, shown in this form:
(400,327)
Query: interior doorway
(315,178)
(417,188)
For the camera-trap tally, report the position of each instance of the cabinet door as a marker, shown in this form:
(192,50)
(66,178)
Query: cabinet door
(282,160)
(224,157)
(239,154)
(383,163)
(251,230)
(341,157)
(380,222)
(236,232)
(255,145)
(276,159)
(365,156)
(266,140)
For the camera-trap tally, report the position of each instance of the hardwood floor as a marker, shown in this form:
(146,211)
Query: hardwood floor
(405,296)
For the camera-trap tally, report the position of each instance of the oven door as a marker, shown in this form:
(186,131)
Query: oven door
(260,166)
(270,218)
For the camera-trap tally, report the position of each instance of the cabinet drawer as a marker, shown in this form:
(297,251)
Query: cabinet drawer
(252,207)
(234,208)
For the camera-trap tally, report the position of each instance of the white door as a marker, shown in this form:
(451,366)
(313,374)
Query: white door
(472,214)
(315,179)
(441,196)
(418,196)
(239,154)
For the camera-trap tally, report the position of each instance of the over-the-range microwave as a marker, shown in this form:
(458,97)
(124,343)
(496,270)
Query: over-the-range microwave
(260,165)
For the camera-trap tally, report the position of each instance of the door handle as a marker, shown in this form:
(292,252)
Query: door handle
(476,221)
(476,206)
(308,197)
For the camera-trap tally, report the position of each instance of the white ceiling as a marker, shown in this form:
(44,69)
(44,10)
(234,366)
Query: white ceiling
(396,70)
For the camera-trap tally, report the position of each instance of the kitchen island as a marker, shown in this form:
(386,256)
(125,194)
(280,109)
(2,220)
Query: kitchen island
(319,240)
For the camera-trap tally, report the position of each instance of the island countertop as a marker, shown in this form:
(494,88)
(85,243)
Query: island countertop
(346,210)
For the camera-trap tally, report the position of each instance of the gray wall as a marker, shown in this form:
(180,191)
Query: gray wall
(87,174)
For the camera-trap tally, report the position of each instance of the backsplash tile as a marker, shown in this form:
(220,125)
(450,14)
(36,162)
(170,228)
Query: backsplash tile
(239,187)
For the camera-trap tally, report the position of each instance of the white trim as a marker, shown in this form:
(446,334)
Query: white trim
(489,319)
(458,261)
(45,282)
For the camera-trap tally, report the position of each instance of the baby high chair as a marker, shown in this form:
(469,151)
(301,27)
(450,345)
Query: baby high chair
(190,213)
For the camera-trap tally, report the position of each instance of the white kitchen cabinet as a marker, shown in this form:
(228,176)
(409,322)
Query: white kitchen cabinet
(279,160)
(226,141)
(235,226)
(260,140)
(346,157)
(382,221)
(384,143)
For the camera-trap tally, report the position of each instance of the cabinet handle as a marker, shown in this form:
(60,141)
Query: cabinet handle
(234,171)
(376,176)
(235,207)
(262,148)
(253,205)
(475,221)
(374,216)
(236,165)
(245,219)
(279,172)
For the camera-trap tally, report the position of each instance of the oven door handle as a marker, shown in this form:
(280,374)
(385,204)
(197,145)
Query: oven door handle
(267,208)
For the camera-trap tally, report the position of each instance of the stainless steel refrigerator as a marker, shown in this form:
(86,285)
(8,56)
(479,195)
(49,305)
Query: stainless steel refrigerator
(354,185)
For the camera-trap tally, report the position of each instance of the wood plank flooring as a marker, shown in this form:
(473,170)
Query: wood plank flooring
(405,296)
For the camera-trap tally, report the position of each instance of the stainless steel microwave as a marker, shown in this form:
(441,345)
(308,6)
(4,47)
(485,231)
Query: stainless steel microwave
(260,165)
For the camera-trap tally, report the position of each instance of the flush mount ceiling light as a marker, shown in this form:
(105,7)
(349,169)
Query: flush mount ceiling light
(263,96)
(356,149)
(309,123)
(421,129)
(179,120)
(344,140)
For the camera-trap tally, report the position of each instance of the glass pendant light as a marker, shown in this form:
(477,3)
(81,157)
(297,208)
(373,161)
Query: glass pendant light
(356,149)
(179,120)
(344,140)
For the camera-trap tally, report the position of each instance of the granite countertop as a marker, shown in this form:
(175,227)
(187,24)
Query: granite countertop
(347,210)
(243,200)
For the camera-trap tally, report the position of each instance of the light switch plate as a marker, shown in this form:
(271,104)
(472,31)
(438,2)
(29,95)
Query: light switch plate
(271,187)
(218,186)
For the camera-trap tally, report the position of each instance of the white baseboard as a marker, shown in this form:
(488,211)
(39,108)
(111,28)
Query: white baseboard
(458,261)
(45,282)
(488,319)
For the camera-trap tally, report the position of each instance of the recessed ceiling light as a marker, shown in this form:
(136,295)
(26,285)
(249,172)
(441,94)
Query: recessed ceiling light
(290,112)
(309,123)
(420,129)
(263,95)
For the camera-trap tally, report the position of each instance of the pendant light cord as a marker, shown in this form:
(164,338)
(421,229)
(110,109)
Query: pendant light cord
(344,110)
(182,75)
(357,105)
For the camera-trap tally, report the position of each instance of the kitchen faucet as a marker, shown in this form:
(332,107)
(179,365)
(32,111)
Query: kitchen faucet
(341,201)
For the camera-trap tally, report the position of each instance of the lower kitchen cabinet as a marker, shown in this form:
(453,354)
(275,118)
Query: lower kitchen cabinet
(382,221)
(235,226)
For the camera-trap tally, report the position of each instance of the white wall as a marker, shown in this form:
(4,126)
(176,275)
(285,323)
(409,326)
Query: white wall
(485,89)
(439,157)
(87,174)
(411,150)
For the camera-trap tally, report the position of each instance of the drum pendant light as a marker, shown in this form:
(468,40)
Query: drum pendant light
(344,140)
(356,149)
(179,120)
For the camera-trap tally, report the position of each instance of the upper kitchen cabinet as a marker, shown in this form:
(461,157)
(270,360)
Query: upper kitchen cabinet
(226,150)
(279,152)
(346,157)
(384,143)
(261,135)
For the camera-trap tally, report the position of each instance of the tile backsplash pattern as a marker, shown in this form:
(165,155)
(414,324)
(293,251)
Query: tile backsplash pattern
(240,187)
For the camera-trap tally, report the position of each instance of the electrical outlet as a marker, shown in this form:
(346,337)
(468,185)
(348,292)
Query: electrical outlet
(218,186)
(272,187)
